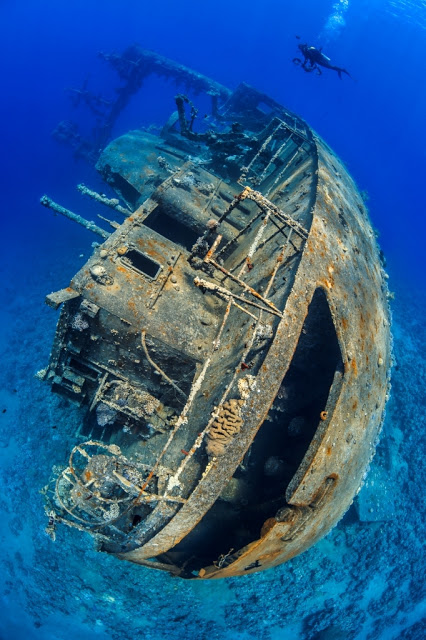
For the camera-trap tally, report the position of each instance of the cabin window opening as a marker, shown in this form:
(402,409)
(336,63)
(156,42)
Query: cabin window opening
(257,489)
(171,228)
(142,263)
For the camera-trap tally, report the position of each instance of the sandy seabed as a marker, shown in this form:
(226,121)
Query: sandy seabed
(364,580)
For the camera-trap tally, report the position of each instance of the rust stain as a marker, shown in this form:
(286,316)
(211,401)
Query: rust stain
(129,275)
(132,306)
(197,201)
(151,252)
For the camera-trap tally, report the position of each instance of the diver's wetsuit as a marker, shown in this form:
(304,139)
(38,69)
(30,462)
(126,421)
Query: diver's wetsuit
(314,59)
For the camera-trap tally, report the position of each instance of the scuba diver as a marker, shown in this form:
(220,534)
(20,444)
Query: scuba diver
(314,58)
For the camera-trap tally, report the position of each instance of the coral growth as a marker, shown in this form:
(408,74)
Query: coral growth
(79,322)
(225,427)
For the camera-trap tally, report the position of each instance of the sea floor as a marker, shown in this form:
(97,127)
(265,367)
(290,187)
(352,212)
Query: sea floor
(365,580)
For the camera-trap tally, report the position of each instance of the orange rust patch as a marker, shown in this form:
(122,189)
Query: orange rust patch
(355,404)
(328,451)
(129,275)
(267,526)
(198,202)
(132,306)
(344,323)
(354,366)
(326,284)
(152,252)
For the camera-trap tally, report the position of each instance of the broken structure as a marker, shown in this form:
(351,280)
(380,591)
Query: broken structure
(229,338)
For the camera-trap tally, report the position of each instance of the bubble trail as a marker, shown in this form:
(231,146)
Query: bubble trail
(335,22)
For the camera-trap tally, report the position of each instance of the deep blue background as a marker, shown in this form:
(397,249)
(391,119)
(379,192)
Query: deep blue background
(374,122)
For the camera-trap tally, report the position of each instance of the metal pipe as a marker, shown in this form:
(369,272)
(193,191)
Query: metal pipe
(88,224)
(113,203)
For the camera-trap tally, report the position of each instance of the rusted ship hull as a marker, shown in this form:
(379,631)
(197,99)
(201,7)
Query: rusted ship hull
(231,339)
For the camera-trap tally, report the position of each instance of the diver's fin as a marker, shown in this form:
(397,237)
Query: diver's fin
(340,71)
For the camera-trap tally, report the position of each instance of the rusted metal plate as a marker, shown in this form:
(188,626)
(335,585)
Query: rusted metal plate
(56,298)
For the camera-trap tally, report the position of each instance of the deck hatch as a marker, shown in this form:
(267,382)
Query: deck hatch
(141,263)
(171,228)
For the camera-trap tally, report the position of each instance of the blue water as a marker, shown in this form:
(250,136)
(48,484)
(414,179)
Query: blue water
(361,581)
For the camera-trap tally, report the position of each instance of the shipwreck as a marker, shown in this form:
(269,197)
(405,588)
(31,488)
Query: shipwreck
(228,339)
